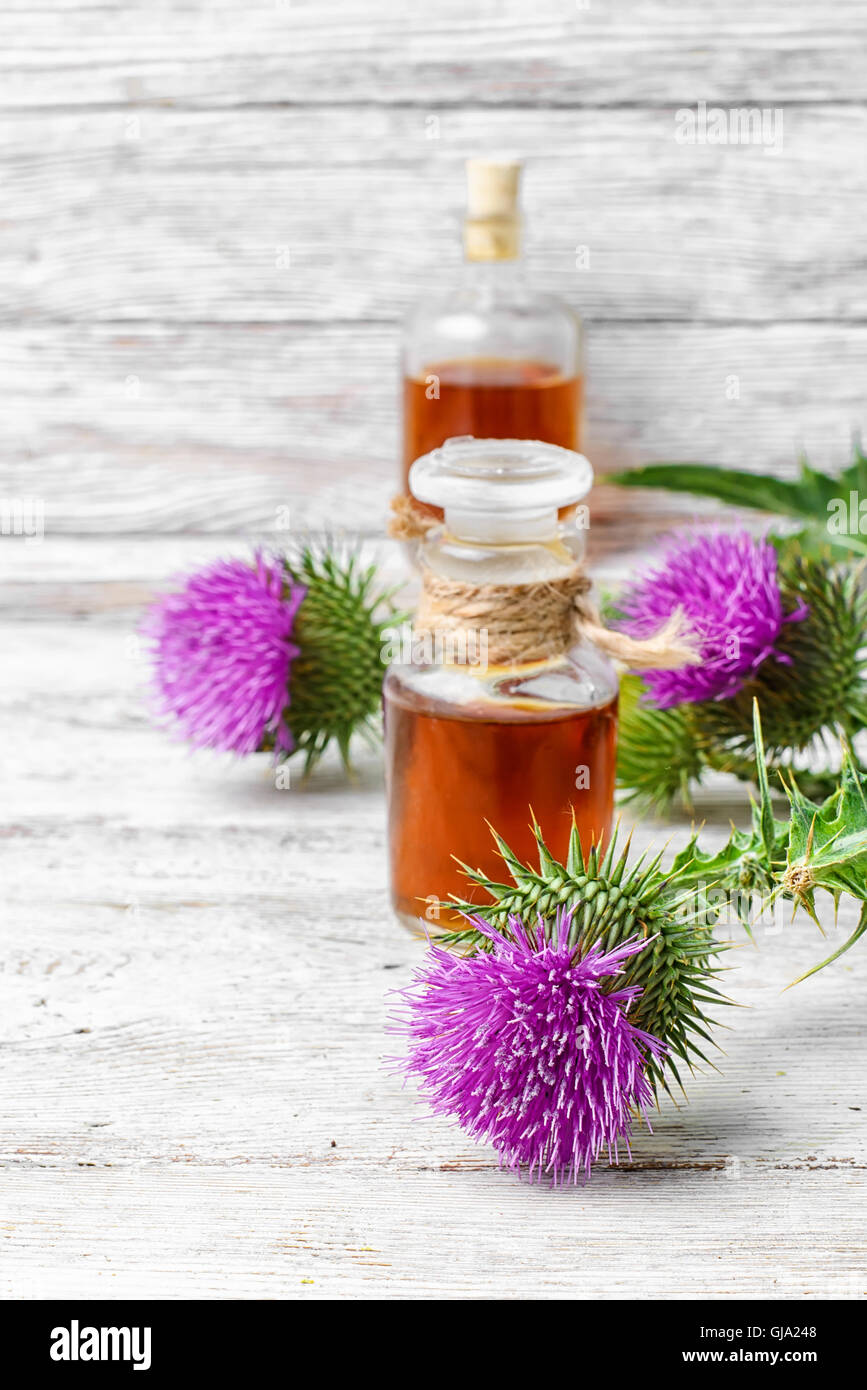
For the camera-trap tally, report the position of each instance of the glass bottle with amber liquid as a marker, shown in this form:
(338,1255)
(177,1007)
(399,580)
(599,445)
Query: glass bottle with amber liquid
(490,356)
(494,727)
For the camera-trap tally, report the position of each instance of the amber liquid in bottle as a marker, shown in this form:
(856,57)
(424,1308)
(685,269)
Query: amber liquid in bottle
(491,398)
(450,775)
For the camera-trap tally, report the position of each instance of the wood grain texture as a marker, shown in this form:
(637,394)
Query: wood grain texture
(169,429)
(500,52)
(316,214)
(193,1014)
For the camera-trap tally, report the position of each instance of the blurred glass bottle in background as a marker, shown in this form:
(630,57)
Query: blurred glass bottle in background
(490,356)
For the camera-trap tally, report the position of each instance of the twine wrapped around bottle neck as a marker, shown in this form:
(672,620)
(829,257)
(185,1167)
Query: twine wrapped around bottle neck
(529,622)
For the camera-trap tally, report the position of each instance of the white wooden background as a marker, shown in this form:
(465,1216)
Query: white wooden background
(212,218)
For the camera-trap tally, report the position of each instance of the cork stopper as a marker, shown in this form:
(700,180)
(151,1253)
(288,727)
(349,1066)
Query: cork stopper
(492,230)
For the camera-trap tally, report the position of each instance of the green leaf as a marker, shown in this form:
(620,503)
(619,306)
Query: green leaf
(815,497)
(763,814)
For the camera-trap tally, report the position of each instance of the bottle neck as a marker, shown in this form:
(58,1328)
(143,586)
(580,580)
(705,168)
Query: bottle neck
(505,563)
(496,528)
(492,282)
(492,240)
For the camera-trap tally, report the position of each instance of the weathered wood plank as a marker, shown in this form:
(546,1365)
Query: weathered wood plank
(500,52)
(197,429)
(310,1232)
(334,214)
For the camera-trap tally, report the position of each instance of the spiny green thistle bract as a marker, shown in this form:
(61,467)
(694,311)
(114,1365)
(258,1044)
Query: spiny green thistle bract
(341,630)
(822,689)
(658,758)
(818,692)
(611,901)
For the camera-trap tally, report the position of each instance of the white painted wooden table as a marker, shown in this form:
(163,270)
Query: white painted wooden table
(214,215)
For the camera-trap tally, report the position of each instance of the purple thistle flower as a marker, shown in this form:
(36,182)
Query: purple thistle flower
(725,586)
(527,1050)
(222,651)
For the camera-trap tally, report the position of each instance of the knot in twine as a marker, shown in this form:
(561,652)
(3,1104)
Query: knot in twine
(409,521)
(518,623)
